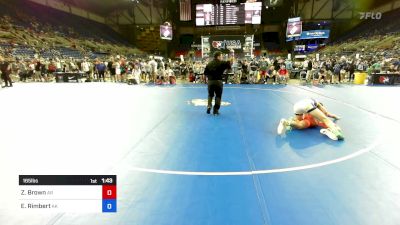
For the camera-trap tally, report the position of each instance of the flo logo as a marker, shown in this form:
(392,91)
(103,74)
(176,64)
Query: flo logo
(370,15)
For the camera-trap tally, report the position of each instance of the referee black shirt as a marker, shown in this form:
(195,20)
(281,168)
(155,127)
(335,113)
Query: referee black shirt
(215,69)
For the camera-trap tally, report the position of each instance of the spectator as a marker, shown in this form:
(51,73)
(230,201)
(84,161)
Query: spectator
(263,70)
(271,74)
(322,76)
(152,69)
(23,71)
(309,68)
(5,68)
(289,66)
(112,71)
(283,75)
(101,69)
(351,69)
(171,76)
(336,73)
(43,71)
(38,71)
(86,68)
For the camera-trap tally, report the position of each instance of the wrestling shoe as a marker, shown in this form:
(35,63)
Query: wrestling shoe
(338,134)
(283,127)
(329,133)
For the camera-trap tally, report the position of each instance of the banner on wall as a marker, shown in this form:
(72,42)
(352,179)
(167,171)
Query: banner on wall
(311,34)
(242,45)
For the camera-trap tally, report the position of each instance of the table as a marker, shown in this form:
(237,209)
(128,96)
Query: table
(296,73)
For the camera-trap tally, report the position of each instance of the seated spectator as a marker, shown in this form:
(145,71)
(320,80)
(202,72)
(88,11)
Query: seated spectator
(171,76)
(271,74)
(134,78)
(160,79)
(263,69)
(322,76)
(283,75)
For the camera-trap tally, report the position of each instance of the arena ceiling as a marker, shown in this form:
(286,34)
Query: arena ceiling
(104,7)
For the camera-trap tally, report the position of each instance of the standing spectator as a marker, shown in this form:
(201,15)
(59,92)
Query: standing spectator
(23,72)
(253,71)
(153,69)
(147,71)
(263,69)
(101,69)
(376,67)
(14,69)
(73,66)
(86,68)
(31,68)
(309,70)
(351,69)
(117,66)
(183,70)
(5,68)
(58,65)
(289,66)
(43,71)
(111,67)
(38,71)
(336,73)
(124,69)
(51,69)
(245,71)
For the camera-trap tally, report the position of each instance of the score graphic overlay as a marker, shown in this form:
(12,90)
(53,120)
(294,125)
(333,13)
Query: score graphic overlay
(68,193)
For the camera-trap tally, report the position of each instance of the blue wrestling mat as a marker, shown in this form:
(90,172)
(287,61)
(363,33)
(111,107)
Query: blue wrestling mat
(176,165)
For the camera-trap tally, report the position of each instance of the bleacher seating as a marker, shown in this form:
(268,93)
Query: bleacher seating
(370,37)
(386,25)
(29,29)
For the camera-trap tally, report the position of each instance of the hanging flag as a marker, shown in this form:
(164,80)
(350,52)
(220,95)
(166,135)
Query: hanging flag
(186,10)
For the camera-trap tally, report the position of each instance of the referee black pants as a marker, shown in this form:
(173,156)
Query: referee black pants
(215,88)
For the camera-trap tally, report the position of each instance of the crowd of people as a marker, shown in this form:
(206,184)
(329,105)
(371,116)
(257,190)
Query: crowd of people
(34,51)
(264,70)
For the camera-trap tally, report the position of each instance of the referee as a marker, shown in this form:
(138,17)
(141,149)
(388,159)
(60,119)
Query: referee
(214,72)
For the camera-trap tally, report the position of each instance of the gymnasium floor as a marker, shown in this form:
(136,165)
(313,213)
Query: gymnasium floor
(176,165)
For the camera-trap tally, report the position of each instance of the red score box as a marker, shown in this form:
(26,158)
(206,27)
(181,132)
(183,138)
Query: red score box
(109,192)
